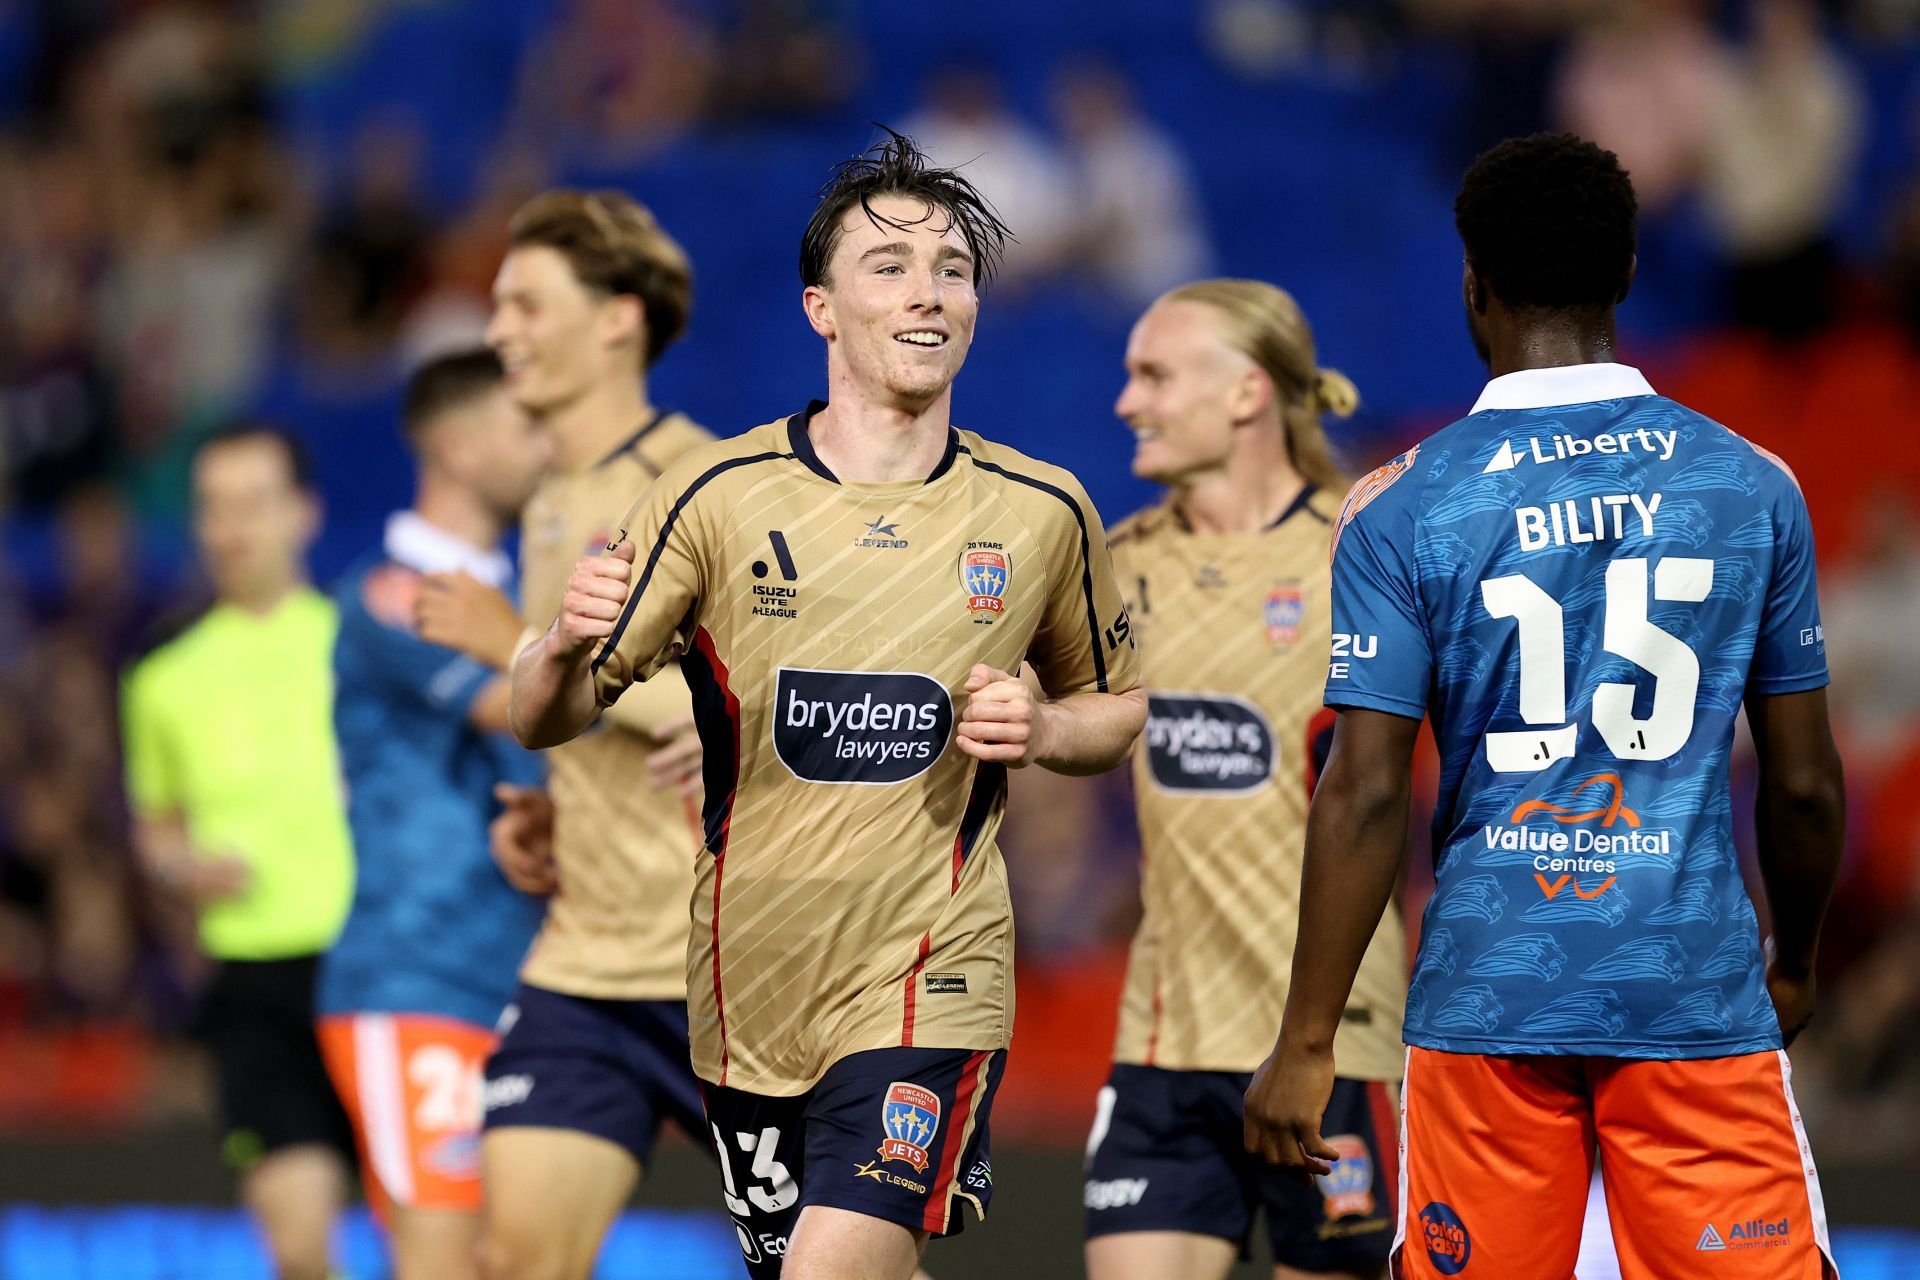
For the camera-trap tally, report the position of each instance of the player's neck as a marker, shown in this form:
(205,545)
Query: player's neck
(1550,345)
(458,511)
(593,424)
(261,599)
(1246,495)
(863,442)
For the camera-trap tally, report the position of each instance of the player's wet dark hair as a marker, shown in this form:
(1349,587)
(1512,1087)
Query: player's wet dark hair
(1548,222)
(895,167)
(448,382)
(299,459)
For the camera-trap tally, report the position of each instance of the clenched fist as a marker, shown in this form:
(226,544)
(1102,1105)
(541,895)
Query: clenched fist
(1002,721)
(596,593)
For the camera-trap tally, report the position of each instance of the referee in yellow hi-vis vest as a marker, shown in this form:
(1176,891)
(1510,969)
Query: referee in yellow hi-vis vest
(236,795)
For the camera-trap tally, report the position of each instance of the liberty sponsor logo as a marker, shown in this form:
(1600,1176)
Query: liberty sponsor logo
(986,570)
(1577,521)
(1755,1233)
(1449,1245)
(859,726)
(881,534)
(1347,1188)
(1286,606)
(1116,1193)
(1207,743)
(1601,827)
(1561,448)
(910,1116)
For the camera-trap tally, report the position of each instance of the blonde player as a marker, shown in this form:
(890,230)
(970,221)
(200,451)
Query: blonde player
(852,589)
(1227,585)
(593,1056)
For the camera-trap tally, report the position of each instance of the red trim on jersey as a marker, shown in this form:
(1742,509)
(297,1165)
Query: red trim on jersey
(1386,1143)
(913,986)
(703,640)
(956,1142)
(959,858)
(1153,1035)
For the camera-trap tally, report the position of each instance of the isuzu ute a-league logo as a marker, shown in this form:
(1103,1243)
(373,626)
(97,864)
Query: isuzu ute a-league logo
(859,726)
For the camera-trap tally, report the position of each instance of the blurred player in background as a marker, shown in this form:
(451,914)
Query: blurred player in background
(410,993)
(1227,584)
(235,788)
(593,1057)
(1581,582)
(852,590)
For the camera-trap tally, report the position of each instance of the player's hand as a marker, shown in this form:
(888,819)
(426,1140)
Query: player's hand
(1792,994)
(596,593)
(1002,720)
(522,839)
(674,765)
(216,878)
(456,610)
(1285,1102)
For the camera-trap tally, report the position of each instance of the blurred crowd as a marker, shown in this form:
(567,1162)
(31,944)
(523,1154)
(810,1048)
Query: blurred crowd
(203,215)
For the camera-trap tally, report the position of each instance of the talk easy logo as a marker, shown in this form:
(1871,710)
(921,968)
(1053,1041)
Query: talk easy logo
(859,726)
(1449,1246)
(1603,827)
(1560,448)
(910,1117)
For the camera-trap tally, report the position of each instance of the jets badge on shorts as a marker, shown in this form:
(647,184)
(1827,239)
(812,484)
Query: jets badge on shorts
(911,1116)
(1286,604)
(1348,1186)
(985,572)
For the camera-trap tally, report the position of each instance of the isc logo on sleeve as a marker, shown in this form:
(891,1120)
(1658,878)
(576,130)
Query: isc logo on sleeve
(860,726)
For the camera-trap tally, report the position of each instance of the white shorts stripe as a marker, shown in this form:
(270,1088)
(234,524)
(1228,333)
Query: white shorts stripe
(1400,1219)
(383,1103)
(1816,1203)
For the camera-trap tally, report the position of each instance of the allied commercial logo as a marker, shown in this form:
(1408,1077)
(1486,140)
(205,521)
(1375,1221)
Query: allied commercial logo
(1561,448)
(1347,1188)
(1754,1233)
(1209,743)
(1710,1241)
(910,1116)
(986,570)
(1286,606)
(1601,827)
(1449,1246)
(859,726)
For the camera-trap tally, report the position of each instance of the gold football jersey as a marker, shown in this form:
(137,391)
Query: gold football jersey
(851,896)
(1234,632)
(617,929)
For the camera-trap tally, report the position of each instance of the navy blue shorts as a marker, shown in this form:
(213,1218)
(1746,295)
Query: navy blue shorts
(896,1134)
(617,1069)
(1168,1154)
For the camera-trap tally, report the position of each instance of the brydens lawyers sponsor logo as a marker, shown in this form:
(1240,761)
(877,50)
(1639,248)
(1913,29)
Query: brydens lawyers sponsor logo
(860,726)
(1207,742)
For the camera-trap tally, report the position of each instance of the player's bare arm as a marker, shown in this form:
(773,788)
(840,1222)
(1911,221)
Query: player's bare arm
(553,698)
(1356,836)
(1800,822)
(1004,721)
(167,853)
(466,615)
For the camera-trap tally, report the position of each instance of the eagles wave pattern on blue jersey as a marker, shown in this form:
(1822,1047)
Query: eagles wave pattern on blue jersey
(1581,596)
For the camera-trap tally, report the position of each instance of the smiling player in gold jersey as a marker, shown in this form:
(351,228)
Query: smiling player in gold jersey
(593,1053)
(853,590)
(1227,583)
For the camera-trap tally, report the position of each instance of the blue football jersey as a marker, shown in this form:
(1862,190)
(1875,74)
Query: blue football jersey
(434,928)
(1579,583)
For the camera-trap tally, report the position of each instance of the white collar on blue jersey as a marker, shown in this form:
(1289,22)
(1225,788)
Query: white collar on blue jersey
(1568,384)
(427,548)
